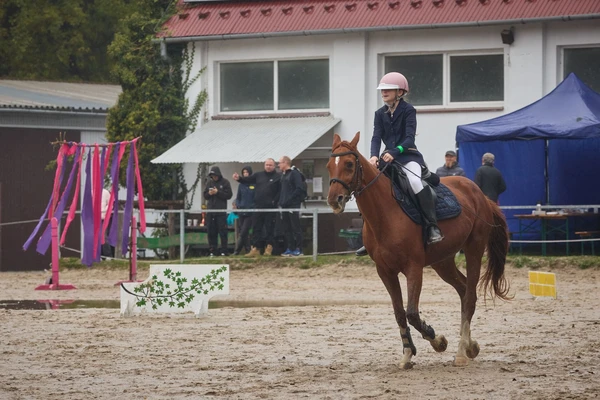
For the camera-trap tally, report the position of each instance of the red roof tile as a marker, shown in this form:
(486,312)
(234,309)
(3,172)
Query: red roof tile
(311,16)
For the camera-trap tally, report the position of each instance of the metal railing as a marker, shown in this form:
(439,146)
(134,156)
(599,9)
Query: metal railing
(315,212)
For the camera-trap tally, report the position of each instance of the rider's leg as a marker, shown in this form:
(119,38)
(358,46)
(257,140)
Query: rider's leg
(426,201)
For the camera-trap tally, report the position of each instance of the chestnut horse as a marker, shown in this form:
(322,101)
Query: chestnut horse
(395,243)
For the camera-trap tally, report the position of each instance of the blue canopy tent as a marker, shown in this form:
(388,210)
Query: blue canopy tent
(548,151)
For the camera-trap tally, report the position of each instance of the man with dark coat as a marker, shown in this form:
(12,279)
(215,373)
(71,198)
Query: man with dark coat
(489,179)
(450,167)
(292,195)
(267,187)
(216,193)
(244,200)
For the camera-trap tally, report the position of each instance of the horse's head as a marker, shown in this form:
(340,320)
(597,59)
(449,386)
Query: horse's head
(344,172)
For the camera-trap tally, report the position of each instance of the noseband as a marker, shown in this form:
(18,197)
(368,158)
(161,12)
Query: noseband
(354,188)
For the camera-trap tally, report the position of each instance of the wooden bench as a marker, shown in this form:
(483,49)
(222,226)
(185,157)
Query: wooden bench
(587,235)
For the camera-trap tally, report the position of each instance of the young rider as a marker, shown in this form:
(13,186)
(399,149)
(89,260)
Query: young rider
(395,125)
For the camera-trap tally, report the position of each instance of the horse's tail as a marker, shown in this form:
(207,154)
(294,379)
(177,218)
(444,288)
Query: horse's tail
(493,281)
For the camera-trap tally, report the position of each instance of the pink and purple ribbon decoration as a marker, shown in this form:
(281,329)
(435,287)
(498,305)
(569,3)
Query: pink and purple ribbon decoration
(93,227)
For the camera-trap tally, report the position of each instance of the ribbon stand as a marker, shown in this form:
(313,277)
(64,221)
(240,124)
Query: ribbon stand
(132,254)
(55,285)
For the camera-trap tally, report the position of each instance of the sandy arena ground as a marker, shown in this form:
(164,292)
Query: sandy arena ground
(530,348)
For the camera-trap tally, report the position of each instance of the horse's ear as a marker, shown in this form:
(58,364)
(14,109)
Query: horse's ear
(354,141)
(336,140)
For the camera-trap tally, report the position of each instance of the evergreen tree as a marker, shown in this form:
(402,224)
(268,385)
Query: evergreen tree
(153,103)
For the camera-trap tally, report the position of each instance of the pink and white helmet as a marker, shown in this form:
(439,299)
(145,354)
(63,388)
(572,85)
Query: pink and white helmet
(393,80)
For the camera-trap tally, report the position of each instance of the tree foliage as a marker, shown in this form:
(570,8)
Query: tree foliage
(60,40)
(153,103)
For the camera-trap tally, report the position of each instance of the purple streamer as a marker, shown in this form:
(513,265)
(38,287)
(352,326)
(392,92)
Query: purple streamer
(38,226)
(43,217)
(114,175)
(129,203)
(87,216)
(46,238)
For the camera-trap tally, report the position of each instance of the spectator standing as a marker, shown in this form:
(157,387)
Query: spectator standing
(450,167)
(216,193)
(292,195)
(244,200)
(489,178)
(107,250)
(267,187)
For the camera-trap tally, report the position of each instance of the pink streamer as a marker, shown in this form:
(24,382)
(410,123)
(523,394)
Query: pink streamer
(56,188)
(96,196)
(139,188)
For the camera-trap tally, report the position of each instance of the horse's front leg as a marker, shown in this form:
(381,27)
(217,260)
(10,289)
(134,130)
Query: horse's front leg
(414,282)
(392,284)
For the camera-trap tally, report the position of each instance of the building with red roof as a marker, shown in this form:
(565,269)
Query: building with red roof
(317,63)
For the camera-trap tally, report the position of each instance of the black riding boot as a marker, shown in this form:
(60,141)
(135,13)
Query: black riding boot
(362,252)
(427,203)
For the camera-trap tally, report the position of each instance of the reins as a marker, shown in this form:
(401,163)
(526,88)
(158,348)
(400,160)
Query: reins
(357,177)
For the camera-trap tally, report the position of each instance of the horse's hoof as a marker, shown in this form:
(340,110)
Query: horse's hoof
(439,344)
(473,350)
(460,361)
(407,365)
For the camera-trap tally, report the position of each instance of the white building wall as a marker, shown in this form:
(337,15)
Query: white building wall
(533,67)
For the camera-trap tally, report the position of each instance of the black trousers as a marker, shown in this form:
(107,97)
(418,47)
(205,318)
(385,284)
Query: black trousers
(217,226)
(292,229)
(263,229)
(245,222)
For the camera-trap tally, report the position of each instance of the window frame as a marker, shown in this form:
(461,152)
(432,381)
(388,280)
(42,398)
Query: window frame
(560,73)
(275,109)
(446,103)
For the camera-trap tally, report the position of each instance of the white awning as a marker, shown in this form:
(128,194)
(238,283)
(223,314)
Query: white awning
(248,140)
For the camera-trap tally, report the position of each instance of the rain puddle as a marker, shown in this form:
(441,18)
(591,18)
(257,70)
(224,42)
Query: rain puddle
(115,304)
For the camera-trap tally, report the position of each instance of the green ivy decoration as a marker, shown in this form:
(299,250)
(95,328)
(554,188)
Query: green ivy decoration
(178,295)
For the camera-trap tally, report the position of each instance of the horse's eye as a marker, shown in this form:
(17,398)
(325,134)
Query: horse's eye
(349,164)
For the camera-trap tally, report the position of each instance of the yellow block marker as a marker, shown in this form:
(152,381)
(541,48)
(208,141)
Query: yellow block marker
(542,284)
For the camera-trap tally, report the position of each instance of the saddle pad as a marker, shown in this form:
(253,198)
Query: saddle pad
(446,205)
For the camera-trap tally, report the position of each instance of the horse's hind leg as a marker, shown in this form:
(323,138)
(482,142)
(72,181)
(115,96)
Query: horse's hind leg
(448,271)
(414,283)
(392,284)
(468,348)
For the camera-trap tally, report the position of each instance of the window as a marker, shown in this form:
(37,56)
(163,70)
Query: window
(425,77)
(274,85)
(584,63)
(469,78)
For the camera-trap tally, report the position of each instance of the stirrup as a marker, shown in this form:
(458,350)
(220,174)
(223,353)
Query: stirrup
(434,235)
(362,252)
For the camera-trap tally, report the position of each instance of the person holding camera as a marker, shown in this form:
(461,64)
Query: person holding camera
(217,192)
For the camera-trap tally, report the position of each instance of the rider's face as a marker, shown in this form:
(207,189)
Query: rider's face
(389,95)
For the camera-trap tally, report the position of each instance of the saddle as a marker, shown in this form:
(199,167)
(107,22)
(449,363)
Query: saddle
(446,205)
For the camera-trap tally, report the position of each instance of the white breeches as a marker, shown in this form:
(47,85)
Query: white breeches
(414,176)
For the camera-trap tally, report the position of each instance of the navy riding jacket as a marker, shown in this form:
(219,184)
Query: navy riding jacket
(397,129)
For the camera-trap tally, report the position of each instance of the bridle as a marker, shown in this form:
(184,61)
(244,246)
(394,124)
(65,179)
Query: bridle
(355,187)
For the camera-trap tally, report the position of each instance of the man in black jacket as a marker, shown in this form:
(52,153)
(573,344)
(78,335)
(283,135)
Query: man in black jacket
(489,179)
(267,187)
(292,195)
(450,167)
(216,193)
